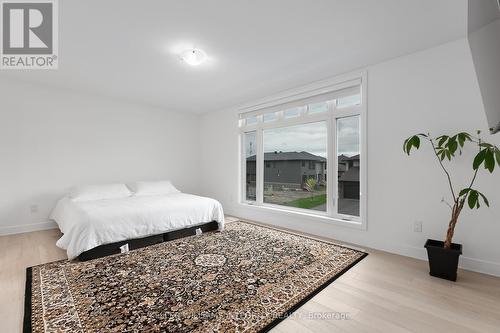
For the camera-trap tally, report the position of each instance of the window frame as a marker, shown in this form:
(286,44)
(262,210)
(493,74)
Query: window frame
(330,117)
(243,168)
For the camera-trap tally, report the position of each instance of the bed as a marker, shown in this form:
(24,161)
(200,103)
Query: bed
(140,220)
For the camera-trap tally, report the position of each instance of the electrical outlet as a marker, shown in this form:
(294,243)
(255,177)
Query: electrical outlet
(417,226)
(34,209)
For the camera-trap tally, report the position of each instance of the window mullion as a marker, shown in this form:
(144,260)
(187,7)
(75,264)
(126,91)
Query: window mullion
(259,168)
(243,161)
(280,115)
(331,163)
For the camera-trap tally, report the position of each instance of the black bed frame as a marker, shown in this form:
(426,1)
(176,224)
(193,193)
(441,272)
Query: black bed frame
(114,248)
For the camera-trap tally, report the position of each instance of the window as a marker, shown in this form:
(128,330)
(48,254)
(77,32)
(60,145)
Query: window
(347,101)
(293,112)
(270,117)
(249,144)
(287,184)
(287,153)
(251,120)
(349,158)
(317,108)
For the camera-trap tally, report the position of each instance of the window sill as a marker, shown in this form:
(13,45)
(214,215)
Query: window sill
(310,216)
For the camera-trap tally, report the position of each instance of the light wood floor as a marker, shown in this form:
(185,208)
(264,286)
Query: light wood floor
(382,293)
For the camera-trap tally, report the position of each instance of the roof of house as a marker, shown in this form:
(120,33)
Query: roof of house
(343,157)
(351,175)
(290,156)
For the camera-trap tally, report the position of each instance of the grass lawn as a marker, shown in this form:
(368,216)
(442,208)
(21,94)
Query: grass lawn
(308,202)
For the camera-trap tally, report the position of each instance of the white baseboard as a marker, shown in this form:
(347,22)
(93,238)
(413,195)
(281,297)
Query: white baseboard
(480,266)
(18,229)
(467,263)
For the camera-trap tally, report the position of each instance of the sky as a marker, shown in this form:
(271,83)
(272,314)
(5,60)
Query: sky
(348,136)
(306,137)
(309,137)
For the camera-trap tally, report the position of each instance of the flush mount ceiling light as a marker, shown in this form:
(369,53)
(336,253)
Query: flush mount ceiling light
(193,57)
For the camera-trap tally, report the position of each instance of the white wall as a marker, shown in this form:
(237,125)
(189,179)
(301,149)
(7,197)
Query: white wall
(434,90)
(51,140)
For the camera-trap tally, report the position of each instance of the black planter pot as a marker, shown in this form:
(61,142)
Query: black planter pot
(443,263)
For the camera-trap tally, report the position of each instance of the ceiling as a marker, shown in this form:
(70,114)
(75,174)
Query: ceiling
(127,49)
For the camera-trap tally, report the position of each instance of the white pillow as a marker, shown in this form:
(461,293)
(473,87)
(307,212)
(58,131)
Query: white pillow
(98,192)
(153,188)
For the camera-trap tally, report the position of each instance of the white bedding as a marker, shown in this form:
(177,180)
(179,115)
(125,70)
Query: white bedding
(88,224)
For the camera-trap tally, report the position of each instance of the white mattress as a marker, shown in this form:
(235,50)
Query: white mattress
(86,225)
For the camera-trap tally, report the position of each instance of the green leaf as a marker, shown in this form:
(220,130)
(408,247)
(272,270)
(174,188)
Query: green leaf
(452,146)
(413,141)
(448,154)
(442,139)
(467,136)
(489,160)
(497,155)
(478,159)
(408,145)
(416,141)
(404,145)
(442,154)
(485,145)
(464,191)
(461,139)
(484,199)
(473,199)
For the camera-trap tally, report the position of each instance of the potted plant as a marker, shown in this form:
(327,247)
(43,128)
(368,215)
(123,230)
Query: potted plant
(443,256)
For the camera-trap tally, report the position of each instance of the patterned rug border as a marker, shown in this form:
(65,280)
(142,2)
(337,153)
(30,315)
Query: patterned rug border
(29,277)
(300,234)
(316,291)
(27,301)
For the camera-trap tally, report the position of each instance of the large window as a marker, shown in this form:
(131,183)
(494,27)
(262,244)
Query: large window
(307,155)
(298,155)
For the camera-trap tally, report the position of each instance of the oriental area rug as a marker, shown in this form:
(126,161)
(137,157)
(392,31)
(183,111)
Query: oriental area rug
(244,279)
